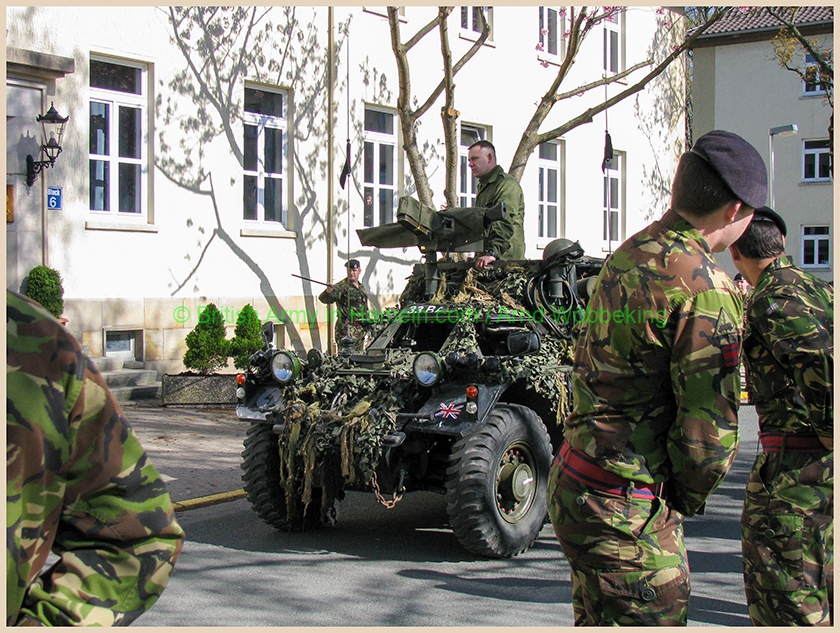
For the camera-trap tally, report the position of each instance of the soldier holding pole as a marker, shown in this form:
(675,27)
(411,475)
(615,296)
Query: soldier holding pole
(351,299)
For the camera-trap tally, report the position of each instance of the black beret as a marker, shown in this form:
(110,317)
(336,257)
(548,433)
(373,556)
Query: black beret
(737,162)
(353,264)
(766,214)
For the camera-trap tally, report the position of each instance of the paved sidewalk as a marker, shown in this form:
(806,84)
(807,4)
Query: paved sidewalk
(196,449)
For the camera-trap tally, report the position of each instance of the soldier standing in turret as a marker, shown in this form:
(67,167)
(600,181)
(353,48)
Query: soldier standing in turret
(506,237)
(787,525)
(654,427)
(351,298)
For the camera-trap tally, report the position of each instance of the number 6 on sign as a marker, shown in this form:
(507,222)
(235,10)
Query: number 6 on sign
(54,198)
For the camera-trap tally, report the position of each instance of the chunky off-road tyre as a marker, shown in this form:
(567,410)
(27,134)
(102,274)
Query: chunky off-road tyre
(261,476)
(496,483)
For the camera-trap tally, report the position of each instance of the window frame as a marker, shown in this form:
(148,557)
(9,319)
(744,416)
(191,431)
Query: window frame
(467,32)
(380,139)
(816,152)
(819,86)
(263,122)
(465,176)
(115,100)
(816,238)
(545,165)
(616,26)
(543,52)
(616,167)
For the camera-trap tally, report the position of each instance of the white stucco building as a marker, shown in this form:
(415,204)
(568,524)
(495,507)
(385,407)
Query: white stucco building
(202,156)
(740,86)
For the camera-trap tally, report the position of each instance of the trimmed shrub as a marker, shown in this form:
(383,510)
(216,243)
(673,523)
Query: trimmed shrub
(207,349)
(247,337)
(43,284)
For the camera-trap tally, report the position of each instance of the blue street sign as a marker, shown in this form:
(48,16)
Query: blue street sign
(54,198)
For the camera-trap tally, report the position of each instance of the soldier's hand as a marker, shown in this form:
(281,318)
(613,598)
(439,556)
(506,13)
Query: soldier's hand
(483,261)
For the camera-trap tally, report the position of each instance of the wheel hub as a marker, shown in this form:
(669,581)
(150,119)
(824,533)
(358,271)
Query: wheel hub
(515,484)
(523,482)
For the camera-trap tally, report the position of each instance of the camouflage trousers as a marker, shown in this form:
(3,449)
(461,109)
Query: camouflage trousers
(628,558)
(358,332)
(787,538)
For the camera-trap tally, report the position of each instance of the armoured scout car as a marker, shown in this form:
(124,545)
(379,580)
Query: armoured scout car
(461,391)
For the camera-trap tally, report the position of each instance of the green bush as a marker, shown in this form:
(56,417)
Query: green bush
(207,349)
(43,284)
(247,337)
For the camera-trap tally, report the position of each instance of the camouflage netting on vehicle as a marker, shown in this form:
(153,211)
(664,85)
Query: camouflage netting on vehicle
(335,421)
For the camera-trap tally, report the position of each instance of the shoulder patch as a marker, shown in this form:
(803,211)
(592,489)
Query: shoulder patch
(726,336)
(724,326)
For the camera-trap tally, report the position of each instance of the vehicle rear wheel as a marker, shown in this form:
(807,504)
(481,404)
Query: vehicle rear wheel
(265,492)
(496,483)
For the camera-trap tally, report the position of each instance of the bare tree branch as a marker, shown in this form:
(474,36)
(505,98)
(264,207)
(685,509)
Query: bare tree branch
(531,137)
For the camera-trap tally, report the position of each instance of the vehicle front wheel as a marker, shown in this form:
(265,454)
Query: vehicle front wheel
(496,483)
(265,492)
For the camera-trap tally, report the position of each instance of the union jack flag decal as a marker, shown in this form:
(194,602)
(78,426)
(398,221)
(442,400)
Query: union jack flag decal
(449,411)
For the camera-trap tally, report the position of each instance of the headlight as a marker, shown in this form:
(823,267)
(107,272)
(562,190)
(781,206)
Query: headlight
(427,369)
(285,367)
(314,358)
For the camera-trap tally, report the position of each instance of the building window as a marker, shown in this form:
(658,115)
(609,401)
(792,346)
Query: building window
(613,188)
(264,155)
(118,161)
(812,84)
(471,22)
(816,161)
(550,33)
(380,162)
(816,247)
(467,183)
(549,190)
(613,42)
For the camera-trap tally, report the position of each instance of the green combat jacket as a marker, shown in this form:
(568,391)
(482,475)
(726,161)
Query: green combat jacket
(506,237)
(78,484)
(351,311)
(789,351)
(656,371)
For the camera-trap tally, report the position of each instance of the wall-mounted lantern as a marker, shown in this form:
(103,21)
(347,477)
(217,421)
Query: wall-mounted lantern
(52,125)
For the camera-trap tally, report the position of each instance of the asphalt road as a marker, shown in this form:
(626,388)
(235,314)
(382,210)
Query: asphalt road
(381,567)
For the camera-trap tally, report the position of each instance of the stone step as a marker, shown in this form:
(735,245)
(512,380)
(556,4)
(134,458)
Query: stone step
(131,394)
(107,363)
(129,377)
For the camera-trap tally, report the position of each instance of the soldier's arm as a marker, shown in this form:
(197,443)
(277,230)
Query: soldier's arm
(117,539)
(706,384)
(500,234)
(328,296)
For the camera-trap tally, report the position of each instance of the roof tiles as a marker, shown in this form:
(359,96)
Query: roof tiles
(746,19)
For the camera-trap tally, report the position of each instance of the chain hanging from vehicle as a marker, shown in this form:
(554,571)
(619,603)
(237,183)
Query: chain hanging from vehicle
(388,503)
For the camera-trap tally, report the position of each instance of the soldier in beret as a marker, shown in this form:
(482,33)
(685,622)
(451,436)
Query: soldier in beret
(79,485)
(351,299)
(787,526)
(654,427)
